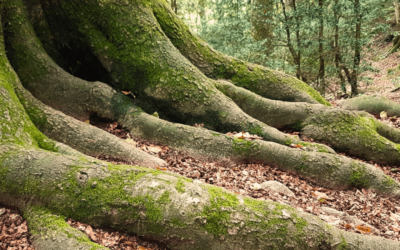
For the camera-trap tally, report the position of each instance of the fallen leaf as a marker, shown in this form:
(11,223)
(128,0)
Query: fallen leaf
(87,121)
(126,92)
(383,115)
(364,229)
(347,226)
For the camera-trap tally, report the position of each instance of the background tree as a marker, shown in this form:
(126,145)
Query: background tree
(300,36)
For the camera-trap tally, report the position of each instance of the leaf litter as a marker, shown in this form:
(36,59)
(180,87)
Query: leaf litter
(355,210)
(13,231)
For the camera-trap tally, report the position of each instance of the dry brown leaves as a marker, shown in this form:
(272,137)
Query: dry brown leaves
(13,231)
(113,239)
(240,177)
(383,214)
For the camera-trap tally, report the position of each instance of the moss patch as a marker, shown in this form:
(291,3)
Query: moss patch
(244,148)
(40,219)
(180,186)
(358,177)
(256,214)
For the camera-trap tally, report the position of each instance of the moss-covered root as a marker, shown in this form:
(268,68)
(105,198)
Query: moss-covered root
(29,59)
(183,213)
(373,104)
(354,132)
(51,232)
(357,133)
(265,82)
(82,136)
(277,114)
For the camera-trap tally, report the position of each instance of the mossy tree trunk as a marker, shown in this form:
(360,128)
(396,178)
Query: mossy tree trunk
(140,46)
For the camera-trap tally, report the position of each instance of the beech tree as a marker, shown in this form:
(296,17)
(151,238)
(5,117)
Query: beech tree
(63,61)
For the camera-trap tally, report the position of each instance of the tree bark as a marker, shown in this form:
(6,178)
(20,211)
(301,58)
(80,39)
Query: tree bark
(397,11)
(321,73)
(261,14)
(50,181)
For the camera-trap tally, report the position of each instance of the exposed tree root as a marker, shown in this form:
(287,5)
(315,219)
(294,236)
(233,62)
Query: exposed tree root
(154,202)
(355,132)
(260,80)
(51,232)
(71,95)
(373,104)
(81,136)
(79,98)
(184,214)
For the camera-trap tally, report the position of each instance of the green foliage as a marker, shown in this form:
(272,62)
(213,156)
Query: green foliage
(291,38)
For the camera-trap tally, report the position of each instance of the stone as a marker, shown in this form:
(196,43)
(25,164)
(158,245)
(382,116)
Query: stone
(277,187)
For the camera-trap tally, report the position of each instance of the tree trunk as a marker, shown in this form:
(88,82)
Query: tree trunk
(135,47)
(397,11)
(174,6)
(357,51)
(261,14)
(321,73)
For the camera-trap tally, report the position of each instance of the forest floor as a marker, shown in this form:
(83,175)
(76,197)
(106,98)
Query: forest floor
(356,210)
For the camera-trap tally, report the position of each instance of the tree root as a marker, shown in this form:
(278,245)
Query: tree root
(51,232)
(71,95)
(81,136)
(80,97)
(150,202)
(260,80)
(328,170)
(355,132)
(183,213)
(373,104)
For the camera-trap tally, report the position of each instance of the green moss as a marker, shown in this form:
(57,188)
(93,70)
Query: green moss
(343,244)
(302,167)
(388,182)
(43,142)
(298,126)
(255,130)
(358,177)
(214,214)
(256,214)
(244,147)
(37,116)
(180,186)
(97,199)
(40,219)
(177,223)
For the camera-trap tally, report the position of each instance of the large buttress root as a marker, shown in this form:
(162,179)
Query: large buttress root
(81,136)
(355,132)
(79,97)
(56,88)
(263,81)
(145,201)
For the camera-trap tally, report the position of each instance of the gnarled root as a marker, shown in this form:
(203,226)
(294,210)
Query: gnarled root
(172,209)
(81,136)
(373,104)
(355,132)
